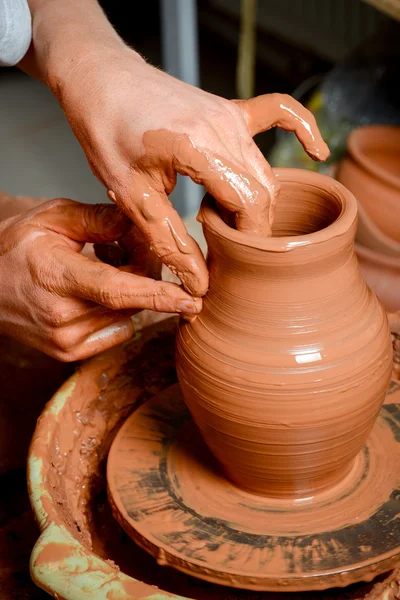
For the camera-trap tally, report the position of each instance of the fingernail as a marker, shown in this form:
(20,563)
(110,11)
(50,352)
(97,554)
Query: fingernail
(191,307)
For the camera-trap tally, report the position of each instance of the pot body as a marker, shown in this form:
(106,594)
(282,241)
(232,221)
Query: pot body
(371,171)
(286,368)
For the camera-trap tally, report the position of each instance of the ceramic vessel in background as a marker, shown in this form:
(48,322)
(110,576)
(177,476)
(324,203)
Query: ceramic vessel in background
(382,274)
(370,236)
(371,171)
(286,368)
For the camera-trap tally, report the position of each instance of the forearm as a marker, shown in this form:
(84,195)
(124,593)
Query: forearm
(67,34)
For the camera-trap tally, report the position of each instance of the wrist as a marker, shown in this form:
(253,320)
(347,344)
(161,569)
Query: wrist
(70,36)
(87,65)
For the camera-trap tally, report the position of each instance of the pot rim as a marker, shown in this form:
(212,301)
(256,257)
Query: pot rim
(342,224)
(358,140)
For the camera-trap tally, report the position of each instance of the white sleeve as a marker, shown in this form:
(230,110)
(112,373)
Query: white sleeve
(15,31)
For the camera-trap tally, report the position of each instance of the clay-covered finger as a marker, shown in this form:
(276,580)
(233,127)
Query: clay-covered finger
(119,290)
(162,228)
(257,163)
(280,110)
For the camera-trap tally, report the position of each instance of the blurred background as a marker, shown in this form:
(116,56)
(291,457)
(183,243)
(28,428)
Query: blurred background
(338,56)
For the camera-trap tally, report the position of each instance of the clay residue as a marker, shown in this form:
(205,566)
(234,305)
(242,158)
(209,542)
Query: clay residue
(53,553)
(287,366)
(71,457)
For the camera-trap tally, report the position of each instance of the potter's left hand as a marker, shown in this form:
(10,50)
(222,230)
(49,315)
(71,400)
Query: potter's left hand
(61,302)
(139,127)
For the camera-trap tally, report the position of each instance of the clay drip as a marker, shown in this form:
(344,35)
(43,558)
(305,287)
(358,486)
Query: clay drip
(286,368)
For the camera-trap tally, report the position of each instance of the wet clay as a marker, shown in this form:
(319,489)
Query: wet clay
(371,171)
(247,190)
(170,496)
(101,394)
(287,366)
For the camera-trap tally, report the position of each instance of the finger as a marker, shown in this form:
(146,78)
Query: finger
(66,312)
(133,249)
(231,184)
(101,340)
(280,110)
(164,231)
(83,222)
(77,331)
(140,253)
(115,289)
(263,171)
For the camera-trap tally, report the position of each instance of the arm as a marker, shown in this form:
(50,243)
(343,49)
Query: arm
(65,33)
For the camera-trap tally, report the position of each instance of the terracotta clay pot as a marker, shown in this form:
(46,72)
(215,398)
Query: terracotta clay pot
(286,368)
(371,171)
(382,274)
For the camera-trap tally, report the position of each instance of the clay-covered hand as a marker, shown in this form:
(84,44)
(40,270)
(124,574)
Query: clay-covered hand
(139,127)
(56,299)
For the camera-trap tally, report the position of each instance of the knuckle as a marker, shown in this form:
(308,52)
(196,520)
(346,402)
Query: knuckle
(56,317)
(111,298)
(39,271)
(278,97)
(56,203)
(61,340)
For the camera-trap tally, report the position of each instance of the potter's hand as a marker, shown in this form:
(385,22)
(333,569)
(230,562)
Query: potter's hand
(148,127)
(61,302)
(139,127)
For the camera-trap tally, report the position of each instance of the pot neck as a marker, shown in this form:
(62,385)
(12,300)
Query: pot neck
(317,260)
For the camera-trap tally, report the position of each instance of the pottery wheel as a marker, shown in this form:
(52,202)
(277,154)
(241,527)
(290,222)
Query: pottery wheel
(169,495)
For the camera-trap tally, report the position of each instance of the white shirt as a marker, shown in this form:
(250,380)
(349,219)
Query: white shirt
(15,31)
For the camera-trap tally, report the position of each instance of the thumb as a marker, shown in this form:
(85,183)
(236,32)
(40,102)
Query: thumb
(83,222)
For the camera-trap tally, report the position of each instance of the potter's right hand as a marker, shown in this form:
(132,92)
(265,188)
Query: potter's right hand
(61,302)
(139,127)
